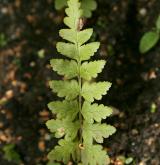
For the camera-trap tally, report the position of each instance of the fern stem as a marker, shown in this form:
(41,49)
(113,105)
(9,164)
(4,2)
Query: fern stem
(80,108)
(79,96)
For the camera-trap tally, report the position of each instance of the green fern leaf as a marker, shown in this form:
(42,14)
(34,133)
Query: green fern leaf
(63,152)
(72,36)
(148,41)
(96,132)
(67,49)
(68,34)
(84,36)
(88,50)
(95,90)
(67,89)
(88,6)
(59,4)
(91,69)
(63,127)
(94,155)
(64,110)
(67,68)
(95,112)
(78,121)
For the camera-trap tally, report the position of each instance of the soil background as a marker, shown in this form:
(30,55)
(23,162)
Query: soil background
(31,31)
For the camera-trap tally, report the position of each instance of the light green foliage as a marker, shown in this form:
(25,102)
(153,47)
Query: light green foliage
(63,127)
(95,90)
(87,5)
(93,155)
(88,50)
(11,154)
(64,110)
(150,39)
(95,112)
(78,121)
(66,68)
(96,132)
(67,89)
(91,69)
(63,151)
(67,49)
(60,4)
(71,35)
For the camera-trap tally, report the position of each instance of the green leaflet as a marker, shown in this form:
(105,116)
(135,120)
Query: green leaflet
(148,41)
(78,122)
(95,90)
(67,49)
(90,70)
(63,127)
(60,4)
(87,5)
(67,68)
(63,151)
(68,34)
(96,132)
(88,50)
(64,110)
(94,155)
(95,112)
(67,89)
(72,35)
(84,36)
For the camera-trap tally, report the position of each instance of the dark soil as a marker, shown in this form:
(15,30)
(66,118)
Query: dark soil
(30,26)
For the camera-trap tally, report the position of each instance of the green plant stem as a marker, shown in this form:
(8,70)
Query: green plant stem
(80,98)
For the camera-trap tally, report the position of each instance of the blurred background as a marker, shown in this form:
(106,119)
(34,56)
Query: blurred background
(28,34)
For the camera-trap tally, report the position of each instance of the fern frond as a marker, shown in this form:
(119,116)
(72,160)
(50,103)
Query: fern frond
(78,121)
